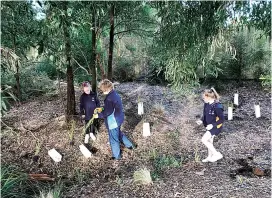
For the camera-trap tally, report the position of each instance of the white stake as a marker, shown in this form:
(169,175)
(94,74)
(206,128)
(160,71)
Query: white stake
(236,99)
(54,155)
(230,115)
(257,111)
(146,129)
(140,108)
(85,151)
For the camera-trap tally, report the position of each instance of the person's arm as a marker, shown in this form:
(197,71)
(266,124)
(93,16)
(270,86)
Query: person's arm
(203,116)
(219,113)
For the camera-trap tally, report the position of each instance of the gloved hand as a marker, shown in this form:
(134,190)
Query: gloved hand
(98,110)
(95,115)
(209,127)
(199,122)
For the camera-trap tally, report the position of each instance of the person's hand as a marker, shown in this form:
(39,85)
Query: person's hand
(95,115)
(199,122)
(209,127)
(98,110)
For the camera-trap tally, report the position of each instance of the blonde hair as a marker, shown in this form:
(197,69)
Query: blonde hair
(211,93)
(106,85)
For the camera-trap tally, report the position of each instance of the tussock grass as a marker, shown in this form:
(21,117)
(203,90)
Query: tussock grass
(142,177)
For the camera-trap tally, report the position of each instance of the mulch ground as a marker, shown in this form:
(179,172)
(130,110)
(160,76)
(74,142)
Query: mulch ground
(244,142)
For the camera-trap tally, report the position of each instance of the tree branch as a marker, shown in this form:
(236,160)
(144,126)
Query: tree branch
(130,30)
(81,66)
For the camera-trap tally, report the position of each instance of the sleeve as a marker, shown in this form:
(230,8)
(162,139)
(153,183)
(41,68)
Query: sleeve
(203,116)
(219,113)
(81,105)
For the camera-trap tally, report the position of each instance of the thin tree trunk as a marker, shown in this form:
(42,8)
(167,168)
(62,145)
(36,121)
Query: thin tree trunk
(111,42)
(16,75)
(71,109)
(92,66)
(103,76)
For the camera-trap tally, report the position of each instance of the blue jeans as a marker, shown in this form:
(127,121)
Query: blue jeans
(115,137)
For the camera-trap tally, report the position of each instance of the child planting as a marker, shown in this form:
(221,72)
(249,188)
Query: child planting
(212,119)
(113,115)
(88,103)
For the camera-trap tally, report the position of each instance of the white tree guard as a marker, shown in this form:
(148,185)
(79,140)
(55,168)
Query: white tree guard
(230,113)
(85,151)
(257,111)
(140,108)
(54,155)
(146,129)
(236,96)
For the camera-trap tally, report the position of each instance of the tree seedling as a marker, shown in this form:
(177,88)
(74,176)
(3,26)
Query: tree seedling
(37,151)
(72,132)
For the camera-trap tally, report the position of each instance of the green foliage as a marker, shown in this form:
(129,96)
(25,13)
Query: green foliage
(266,81)
(164,161)
(11,181)
(47,67)
(33,82)
(6,97)
(16,184)
(19,29)
(250,59)
(52,193)
(124,69)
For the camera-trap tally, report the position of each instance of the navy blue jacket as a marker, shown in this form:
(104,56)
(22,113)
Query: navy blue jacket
(213,114)
(113,113)
(88,103)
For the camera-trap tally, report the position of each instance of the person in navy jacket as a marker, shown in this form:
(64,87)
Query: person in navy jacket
(113,115)
(88,103)
(213,118)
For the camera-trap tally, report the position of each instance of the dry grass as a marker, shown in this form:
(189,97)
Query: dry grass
(142,177)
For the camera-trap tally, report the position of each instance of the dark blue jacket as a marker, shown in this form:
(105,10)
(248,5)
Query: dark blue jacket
(213,114)
(113,113)
(88,103)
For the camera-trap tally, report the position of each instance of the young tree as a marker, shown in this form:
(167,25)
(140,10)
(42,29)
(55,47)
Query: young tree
(19,32)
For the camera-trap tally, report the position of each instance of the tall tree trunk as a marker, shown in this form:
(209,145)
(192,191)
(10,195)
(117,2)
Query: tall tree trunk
(71,108)
(111,42)
(102,71)
(93,61)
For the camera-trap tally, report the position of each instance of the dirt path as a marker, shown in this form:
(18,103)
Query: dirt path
(174,135)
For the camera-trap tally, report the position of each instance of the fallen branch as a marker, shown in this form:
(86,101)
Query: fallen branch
(41,177)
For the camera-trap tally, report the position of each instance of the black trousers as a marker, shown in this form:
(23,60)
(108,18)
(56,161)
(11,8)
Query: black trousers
(91,128)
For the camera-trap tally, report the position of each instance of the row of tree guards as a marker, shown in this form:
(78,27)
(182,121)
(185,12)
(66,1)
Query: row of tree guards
(146,125)
(236,102)
(146,128)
